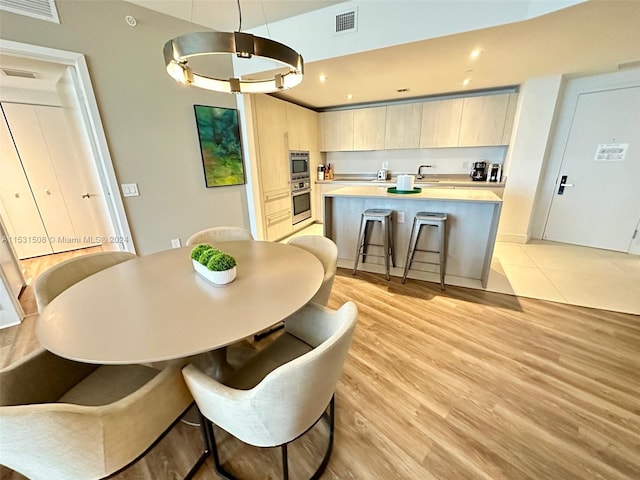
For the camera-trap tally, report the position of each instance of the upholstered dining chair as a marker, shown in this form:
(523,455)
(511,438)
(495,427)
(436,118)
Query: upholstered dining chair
(56,279)
(66,420)
(327,252)
(219,234)
(285,389)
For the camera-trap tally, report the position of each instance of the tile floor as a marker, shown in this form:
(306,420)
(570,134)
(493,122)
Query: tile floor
(562,273)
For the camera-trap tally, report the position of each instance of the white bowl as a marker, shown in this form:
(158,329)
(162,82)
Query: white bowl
(217,278)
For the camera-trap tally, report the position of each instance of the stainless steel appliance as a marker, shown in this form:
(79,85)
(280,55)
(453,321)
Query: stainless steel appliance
(479,172)
(299,162)
(300,185)
(301,200)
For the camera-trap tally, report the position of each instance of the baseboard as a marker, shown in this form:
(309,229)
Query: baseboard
(513,238)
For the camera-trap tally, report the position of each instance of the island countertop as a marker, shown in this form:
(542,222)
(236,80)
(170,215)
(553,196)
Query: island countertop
(439,194)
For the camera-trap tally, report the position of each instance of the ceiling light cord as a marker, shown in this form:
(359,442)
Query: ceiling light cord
(266,23)
(239,17)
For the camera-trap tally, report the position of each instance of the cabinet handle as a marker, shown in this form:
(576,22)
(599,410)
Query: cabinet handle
(277,218)
(87,195)
(275,196)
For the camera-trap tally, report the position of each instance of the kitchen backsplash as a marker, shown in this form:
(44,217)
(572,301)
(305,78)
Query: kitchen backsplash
(442,160)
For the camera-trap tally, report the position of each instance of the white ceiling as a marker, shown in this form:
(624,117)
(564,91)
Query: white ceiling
(588,38)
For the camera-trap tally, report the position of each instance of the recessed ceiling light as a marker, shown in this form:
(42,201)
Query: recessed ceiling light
(322,77)
(466,82)
(475,54)
(349,96)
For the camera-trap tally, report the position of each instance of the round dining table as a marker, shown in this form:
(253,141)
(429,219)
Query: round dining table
(156,307)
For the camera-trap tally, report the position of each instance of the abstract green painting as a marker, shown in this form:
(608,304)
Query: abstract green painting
(220,145)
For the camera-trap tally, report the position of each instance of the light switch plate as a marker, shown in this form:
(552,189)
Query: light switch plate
(130,189)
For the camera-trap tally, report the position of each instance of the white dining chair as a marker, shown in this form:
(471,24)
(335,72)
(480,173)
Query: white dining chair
(66,420)
(219,234)
(284,390)
(56,279)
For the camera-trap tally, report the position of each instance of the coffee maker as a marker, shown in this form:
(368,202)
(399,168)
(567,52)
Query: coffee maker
(479,172)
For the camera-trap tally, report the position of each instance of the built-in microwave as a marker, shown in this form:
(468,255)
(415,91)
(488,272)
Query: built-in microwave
(299,161)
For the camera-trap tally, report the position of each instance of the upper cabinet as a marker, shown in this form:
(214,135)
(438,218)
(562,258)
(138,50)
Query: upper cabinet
(338,130)
(441,123)
(483,120)
(369,128)
(459,122)
(271,135)
(403,126)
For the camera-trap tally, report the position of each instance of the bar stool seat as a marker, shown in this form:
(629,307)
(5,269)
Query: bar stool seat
(367,219)
(428,219)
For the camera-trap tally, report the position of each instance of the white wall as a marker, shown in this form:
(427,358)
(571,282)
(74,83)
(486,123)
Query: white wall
(443,160)
(534,121)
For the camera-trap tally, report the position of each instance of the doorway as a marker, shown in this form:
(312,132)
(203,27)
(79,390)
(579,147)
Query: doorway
(80,90)
(597,201)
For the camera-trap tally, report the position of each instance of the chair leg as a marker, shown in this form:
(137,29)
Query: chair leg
(443,253)
(359,247)
(285,462)
(411,249)
(386,246)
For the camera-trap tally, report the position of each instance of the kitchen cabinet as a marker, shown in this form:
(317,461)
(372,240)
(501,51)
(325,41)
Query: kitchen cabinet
(483,120)
(321,189)
(440,125)
(508,123)
(402,126)
(279,127)
(338,130)
(369,126)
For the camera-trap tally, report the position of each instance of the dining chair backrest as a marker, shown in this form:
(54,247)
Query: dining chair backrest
(327,252)
(56,279)
(288,399)
(67,420)
(219,234)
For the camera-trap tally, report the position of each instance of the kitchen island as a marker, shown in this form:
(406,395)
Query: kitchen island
(472,224)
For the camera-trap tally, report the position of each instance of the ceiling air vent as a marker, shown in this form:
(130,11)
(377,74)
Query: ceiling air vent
(41,9)
(18,73)
(346,22)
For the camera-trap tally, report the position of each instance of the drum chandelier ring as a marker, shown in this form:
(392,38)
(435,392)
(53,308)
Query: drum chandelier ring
(179,50)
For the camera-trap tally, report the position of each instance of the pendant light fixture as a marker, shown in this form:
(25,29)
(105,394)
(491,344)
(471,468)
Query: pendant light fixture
(179,50)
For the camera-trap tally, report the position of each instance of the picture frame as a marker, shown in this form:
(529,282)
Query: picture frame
(220,145)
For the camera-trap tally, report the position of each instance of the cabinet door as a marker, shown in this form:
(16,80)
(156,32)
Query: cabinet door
(508,123)
(271,128)
(368,128)
(440,123)
(483,120)
(403,126)
(24,226)
(338,131)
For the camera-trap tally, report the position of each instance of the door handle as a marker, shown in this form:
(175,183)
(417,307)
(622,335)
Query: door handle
(563,184)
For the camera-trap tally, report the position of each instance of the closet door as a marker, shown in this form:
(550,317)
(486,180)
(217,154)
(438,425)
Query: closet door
(37,163)
(22,220)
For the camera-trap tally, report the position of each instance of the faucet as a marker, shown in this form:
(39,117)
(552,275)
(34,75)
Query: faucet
(420,177)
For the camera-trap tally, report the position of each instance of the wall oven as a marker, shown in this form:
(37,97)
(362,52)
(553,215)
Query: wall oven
(301,200)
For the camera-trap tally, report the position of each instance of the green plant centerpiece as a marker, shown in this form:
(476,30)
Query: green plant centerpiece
(214,265)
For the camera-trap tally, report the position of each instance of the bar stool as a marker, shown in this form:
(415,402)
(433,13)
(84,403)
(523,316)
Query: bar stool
(428,219)
(384,217)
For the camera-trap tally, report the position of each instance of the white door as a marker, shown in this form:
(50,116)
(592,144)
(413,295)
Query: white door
(599,205)
(18,208)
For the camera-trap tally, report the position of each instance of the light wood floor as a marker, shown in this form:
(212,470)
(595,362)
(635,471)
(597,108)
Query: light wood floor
(462,384)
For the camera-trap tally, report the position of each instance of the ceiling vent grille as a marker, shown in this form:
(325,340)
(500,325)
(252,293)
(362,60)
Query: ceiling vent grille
(347,22)
(40,9)
(19,73)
